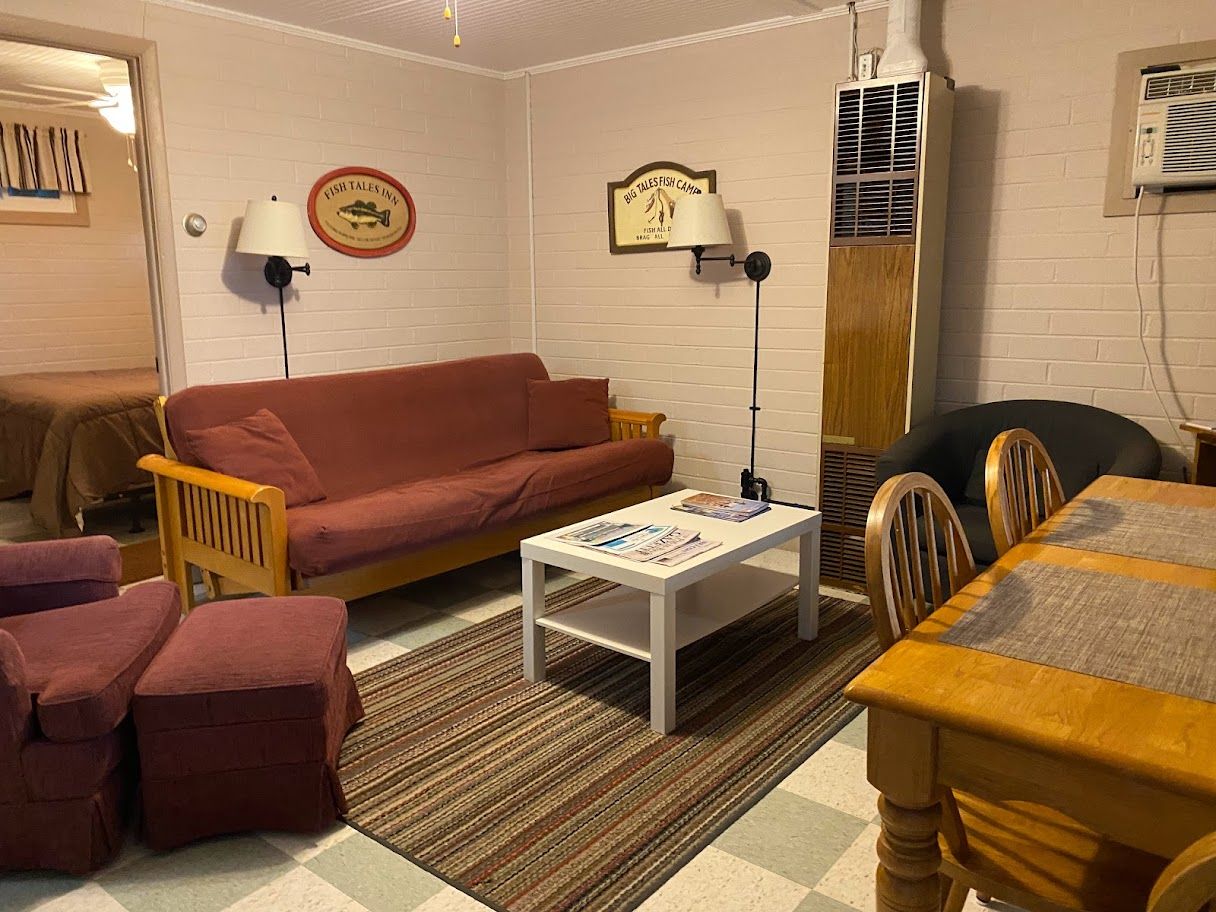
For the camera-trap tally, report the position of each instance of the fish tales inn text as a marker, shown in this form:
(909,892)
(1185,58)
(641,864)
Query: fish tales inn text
(364,186)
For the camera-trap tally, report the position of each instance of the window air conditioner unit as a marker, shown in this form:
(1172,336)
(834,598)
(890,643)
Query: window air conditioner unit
(1176,129)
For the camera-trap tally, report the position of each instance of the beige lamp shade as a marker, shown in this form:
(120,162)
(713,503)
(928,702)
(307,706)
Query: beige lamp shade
(273,228)
(699,220)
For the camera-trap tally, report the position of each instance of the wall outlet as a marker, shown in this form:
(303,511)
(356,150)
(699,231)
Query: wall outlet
(867,65)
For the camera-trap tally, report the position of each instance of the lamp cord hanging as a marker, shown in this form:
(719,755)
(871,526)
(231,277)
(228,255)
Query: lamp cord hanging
(283,327)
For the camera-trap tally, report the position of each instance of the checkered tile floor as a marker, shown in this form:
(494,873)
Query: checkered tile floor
(808,846)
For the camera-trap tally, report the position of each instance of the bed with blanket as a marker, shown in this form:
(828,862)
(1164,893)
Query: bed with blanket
(71,440)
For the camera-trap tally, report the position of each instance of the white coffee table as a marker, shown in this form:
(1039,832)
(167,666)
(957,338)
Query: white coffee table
(659,609)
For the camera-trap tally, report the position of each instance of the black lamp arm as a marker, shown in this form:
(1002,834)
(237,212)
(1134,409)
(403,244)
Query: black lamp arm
(757,264)
(278,271)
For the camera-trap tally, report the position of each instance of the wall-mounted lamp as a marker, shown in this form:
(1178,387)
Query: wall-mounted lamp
(275,230)
(699,222)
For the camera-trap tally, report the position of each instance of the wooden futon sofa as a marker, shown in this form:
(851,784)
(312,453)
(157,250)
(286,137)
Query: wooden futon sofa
(424,469)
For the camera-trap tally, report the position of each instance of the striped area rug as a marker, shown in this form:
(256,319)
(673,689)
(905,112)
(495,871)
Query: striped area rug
(558,796)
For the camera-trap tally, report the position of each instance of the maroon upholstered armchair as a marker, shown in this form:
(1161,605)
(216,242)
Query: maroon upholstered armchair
(71,650)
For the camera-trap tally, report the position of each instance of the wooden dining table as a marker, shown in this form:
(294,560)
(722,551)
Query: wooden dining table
(1132,763)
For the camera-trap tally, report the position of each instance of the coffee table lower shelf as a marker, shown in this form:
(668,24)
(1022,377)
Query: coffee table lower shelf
(620,618)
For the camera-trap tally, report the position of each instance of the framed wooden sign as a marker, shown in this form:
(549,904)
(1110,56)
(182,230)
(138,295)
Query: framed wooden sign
(362,212)
(640,206)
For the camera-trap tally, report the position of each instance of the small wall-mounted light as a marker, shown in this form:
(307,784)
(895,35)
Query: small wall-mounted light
(275,230)
(699,222)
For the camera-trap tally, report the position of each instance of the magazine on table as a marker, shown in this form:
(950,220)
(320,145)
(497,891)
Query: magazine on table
(666,545)
(732,509)
(686,551)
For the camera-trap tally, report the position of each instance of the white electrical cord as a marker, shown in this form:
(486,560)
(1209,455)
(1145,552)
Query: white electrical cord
(852,41)
(1148,361)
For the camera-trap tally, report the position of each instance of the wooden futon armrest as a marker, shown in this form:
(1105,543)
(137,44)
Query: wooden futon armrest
(231,526)
(212,481)
(627,425)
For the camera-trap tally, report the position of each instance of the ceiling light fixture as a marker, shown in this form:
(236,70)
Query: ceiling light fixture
(120,114)
(117,106)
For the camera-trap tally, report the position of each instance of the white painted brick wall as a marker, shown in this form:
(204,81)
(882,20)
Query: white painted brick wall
(668,340)
(76,298)
(251,112)
(1039,299)
(264,112)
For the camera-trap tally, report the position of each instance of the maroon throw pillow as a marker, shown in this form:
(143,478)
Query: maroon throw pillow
(259,448)
(563,414)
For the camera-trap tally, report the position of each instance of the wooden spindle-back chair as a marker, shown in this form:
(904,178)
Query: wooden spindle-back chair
(1189,883)
(916,554)
(1021,485)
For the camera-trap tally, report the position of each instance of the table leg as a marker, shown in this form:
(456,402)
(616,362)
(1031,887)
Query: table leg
(808,585)
(908,858)
(534,606)
(662,663)
(902,759)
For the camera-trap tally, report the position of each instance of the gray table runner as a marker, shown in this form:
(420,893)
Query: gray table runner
(1156,635)
(1136,528)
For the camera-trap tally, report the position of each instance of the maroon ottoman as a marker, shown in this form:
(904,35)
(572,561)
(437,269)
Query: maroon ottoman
(240,719)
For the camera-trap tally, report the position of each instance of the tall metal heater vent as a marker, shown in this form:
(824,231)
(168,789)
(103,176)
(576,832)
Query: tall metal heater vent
(884,288)
(877,157)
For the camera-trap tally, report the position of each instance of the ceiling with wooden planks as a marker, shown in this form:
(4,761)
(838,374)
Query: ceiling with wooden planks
(512,35)
(35,76)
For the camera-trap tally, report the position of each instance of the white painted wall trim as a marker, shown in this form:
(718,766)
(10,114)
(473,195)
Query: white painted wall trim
(193,6)
(531,205)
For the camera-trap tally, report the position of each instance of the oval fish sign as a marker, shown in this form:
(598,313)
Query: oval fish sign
(361,212)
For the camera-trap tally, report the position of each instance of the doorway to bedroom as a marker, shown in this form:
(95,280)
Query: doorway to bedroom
(79,373)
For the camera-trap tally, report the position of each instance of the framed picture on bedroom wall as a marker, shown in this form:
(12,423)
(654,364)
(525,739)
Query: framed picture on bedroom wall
(43,207)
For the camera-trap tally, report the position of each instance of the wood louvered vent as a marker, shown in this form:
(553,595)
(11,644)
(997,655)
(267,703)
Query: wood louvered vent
(847,488)
(877,155)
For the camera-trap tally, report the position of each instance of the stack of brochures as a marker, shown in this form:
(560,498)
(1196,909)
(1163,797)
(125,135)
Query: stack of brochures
(664,545)
(730,508)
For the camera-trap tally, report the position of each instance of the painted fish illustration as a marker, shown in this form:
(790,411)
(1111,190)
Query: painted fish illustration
(360,213)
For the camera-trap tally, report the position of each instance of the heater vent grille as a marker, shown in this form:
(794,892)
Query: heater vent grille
(847,487)
(876,160)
